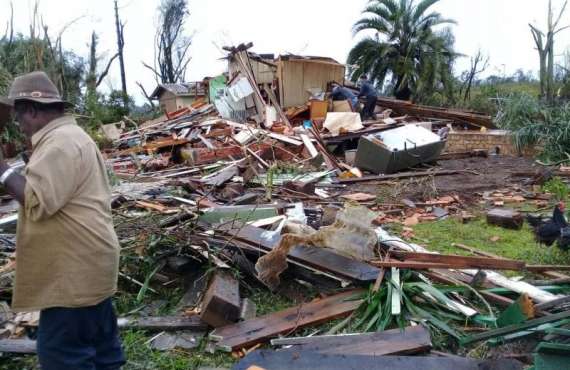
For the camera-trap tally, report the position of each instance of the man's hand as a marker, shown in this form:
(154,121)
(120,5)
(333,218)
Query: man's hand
(15,184)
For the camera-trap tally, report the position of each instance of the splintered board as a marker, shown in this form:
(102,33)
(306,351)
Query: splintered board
(251,332)
(319,258)
(461,261)
(412,340)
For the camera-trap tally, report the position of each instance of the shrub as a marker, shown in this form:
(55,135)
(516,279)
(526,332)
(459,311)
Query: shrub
(533,122)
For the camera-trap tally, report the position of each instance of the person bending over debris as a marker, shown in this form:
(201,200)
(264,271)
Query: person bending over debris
(368,92)
(342,93)
(67,250)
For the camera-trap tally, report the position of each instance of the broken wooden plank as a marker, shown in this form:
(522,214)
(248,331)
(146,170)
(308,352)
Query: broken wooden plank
(553,303)
(430,265)
(491,297)
(23,346)
(514,328)
(318,258)
(462,261)
(156,207)
(521,287)
(252,332)
(221,304)
(275,103)
(396,294)
(475,251)
(164,143)
(507,218)
(309,145)
(248,309)
(206,142)
(243,213)
(493,277)
(163,323)
(404,175)
(551,274)
(411,340)
(408,108)
(285,138)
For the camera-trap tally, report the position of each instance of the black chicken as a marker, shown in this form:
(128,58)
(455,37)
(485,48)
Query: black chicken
(555,229)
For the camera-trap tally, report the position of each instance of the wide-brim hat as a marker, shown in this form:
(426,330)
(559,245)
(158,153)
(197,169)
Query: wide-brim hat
(34,86)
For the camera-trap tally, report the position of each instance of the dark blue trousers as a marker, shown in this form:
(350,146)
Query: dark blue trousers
(85,338)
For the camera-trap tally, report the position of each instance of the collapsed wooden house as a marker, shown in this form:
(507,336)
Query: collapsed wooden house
(295,78)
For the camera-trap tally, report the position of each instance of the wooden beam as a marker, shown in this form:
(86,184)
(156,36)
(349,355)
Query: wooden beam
(404,175)
(554,303)
(406,107)
(164,323)
(23,346)
(507,218)
(434,265)
(221,304)
(396,295)
(411,340)
(475,251)
(462,261)
(318,258)
(249,333)
(491,297)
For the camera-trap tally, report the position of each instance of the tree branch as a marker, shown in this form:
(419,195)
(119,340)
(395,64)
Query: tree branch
(560,15)
(145,94)
(152,69)
(106,70)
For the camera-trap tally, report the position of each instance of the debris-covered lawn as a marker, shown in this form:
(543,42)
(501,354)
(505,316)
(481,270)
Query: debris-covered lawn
(324,241)
(158,270)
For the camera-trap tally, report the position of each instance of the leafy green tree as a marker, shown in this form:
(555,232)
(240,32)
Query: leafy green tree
(23,55)
(405,51)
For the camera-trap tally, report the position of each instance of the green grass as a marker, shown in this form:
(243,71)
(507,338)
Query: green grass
(268,302)
(141,357)
(515,244)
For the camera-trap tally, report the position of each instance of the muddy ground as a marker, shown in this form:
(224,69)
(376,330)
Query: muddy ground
(492,173)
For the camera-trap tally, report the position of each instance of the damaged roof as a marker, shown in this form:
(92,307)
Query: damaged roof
(180,89)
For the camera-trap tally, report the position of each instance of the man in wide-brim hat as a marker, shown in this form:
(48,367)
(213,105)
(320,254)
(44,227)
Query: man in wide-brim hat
(67,250)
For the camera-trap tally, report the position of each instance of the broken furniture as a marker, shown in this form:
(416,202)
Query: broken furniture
(398,149)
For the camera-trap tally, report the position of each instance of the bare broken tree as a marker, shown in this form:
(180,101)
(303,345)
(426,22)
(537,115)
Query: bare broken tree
(93,78)
(172,46)
(545,47)
(146,95)
(479,64)
(120,29)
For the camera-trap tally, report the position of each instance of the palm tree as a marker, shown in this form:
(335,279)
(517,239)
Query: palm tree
(406,51)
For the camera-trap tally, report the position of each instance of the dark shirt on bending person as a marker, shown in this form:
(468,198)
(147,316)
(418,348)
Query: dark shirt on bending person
(367,89)
(342,93)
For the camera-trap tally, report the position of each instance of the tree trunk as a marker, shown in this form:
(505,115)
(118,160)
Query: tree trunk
(91,79)
(120,45)
(542,56)
(550,68)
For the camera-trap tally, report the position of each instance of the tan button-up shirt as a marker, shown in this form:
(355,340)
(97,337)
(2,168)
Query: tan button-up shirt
(67,252)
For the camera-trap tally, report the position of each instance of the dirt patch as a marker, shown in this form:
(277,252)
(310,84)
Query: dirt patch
(493,173)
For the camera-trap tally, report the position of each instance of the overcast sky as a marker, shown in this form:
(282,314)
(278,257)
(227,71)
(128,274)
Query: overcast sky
(312,27)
